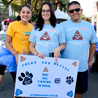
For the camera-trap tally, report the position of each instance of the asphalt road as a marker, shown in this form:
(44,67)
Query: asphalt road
(7,86)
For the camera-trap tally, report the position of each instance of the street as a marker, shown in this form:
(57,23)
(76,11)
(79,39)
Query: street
(7,86)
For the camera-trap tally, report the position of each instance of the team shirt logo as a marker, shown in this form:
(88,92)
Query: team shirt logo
(77,36)
(27,33)
(45,36)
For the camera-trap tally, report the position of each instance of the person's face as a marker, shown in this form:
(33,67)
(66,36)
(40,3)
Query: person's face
(75,12)
(46,12)
(6,25)
(25,14)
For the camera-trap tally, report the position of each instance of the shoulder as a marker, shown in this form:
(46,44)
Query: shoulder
(85,22)
(65,22)
(15,23)
(30,25)
(34,30)
(58,25)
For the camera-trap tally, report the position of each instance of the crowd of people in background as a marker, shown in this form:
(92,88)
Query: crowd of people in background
(68,40)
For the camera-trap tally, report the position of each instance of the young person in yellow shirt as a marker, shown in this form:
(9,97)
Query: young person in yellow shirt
(18,33)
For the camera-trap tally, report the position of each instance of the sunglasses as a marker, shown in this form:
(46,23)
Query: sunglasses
(77,10)
(6,23)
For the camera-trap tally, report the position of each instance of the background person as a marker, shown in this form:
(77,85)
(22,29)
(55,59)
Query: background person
(95,27)
(80,37)
(2,43)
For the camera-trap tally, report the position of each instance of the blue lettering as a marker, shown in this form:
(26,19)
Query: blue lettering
(54,63)
(42,62)
(45,62)
(25,64)
(35,62)
(62,66)
(49,63)
(22,65)
(31,62)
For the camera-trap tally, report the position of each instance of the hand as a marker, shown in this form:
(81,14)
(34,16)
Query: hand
(56,53)
(89,63)
(41,55)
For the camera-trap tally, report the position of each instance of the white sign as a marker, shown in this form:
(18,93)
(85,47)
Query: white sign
(38,77)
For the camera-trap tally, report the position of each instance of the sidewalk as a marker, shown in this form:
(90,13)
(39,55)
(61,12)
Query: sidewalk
(7,90)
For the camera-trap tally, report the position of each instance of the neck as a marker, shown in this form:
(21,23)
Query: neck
(76,21)
(23,22)
(46,22)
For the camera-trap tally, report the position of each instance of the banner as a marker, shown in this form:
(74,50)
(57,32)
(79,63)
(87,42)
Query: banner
(38,77)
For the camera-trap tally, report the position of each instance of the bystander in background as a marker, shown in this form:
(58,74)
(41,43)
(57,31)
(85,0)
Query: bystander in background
(2,43)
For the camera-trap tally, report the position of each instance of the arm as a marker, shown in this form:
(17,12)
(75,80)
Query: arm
(33,50)
(9,46)
(57,51)
(91,54)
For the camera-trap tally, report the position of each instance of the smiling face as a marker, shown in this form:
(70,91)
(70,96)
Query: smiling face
(25,14)
(76,14)
(46,12)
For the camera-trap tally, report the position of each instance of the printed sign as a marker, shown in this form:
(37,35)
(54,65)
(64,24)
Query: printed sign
(38,77)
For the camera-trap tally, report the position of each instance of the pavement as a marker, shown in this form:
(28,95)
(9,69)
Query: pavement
(7,86)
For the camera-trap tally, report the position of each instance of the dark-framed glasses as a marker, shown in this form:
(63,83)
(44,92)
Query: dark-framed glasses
(47,11)
(77,10)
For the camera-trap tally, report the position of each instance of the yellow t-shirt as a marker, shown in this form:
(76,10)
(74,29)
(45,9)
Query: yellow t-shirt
(20,35)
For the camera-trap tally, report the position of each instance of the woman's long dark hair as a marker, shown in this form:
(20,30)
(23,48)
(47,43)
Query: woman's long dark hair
(40,20)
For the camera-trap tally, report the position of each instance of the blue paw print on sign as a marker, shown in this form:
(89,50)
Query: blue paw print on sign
(18,92)
(26,78)
(70,94)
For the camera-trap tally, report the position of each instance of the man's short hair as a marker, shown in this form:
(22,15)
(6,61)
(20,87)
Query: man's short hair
(73,3)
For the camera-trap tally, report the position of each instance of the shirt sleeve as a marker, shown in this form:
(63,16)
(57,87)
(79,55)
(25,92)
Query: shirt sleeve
(94,38)
(10,30)
(61,35)
(32,37)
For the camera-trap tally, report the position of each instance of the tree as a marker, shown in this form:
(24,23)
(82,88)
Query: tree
(35,5)
(7,4)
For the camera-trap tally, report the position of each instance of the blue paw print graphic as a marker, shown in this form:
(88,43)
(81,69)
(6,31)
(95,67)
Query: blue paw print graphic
(70,94)
(18,92)
(26,78)
(69,79)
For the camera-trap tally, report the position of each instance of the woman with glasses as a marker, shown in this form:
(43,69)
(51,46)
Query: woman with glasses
(2,43)
(47,37)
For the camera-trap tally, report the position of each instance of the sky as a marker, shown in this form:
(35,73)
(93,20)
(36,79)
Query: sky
(87,6)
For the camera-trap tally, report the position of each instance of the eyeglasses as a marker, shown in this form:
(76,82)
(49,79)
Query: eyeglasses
(47,11)
(6,23)
(77,10)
